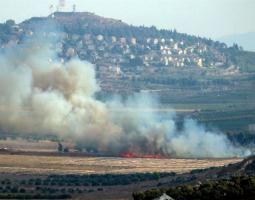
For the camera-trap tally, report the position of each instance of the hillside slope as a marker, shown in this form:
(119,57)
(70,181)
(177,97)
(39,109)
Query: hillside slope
(111,42)
(236,181)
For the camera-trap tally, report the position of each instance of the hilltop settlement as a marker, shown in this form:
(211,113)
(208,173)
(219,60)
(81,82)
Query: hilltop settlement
(128,53)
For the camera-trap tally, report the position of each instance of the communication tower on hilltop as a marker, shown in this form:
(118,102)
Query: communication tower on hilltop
(61,5)
(74,7)
(51,9)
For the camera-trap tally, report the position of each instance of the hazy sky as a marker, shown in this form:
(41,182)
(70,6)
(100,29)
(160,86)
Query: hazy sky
(210,18)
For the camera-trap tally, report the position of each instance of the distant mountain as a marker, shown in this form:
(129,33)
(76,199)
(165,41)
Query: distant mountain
(246,40)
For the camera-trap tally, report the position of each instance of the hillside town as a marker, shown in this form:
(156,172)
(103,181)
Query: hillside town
(111,50)
(120,51)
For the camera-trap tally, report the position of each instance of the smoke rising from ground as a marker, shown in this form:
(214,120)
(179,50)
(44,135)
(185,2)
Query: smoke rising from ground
(41,95)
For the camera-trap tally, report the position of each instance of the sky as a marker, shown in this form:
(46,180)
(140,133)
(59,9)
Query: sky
(207,18)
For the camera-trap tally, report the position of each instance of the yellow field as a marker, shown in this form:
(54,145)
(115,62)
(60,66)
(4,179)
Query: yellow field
(100,165)
(34,146)
(25,145)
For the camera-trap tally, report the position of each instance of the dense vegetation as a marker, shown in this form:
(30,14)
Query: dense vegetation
(65,186)
(242,188)
(244,138)
(104,180)
(244,59)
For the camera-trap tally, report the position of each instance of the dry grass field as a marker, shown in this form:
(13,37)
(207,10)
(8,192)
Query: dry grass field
(30,164)
(44,164)
(22,160)
(25,145)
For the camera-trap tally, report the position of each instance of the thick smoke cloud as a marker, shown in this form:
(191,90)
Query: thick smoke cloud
(41,95)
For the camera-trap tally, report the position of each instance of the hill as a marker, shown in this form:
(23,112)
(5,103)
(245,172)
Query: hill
(236,181)
(184,71)
(235,188)
(109,42)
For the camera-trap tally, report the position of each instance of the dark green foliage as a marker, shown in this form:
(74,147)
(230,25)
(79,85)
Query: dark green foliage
(241,138)
(104,180)
(66,150)
(10,23)
(234,188)
(251,166)
(244,59)
(66,186)
(22,190)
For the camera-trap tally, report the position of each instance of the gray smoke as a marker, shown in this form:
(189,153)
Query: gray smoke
(41,95)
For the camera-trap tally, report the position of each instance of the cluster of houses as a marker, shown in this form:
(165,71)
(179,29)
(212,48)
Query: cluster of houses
(151,52)
(120,54)
(126,56)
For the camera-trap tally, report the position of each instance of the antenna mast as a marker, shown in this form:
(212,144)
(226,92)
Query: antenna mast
(51,9)
(61,5)
(74,7)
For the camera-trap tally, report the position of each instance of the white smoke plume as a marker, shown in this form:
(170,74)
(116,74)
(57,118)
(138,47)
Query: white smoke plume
(41,95)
